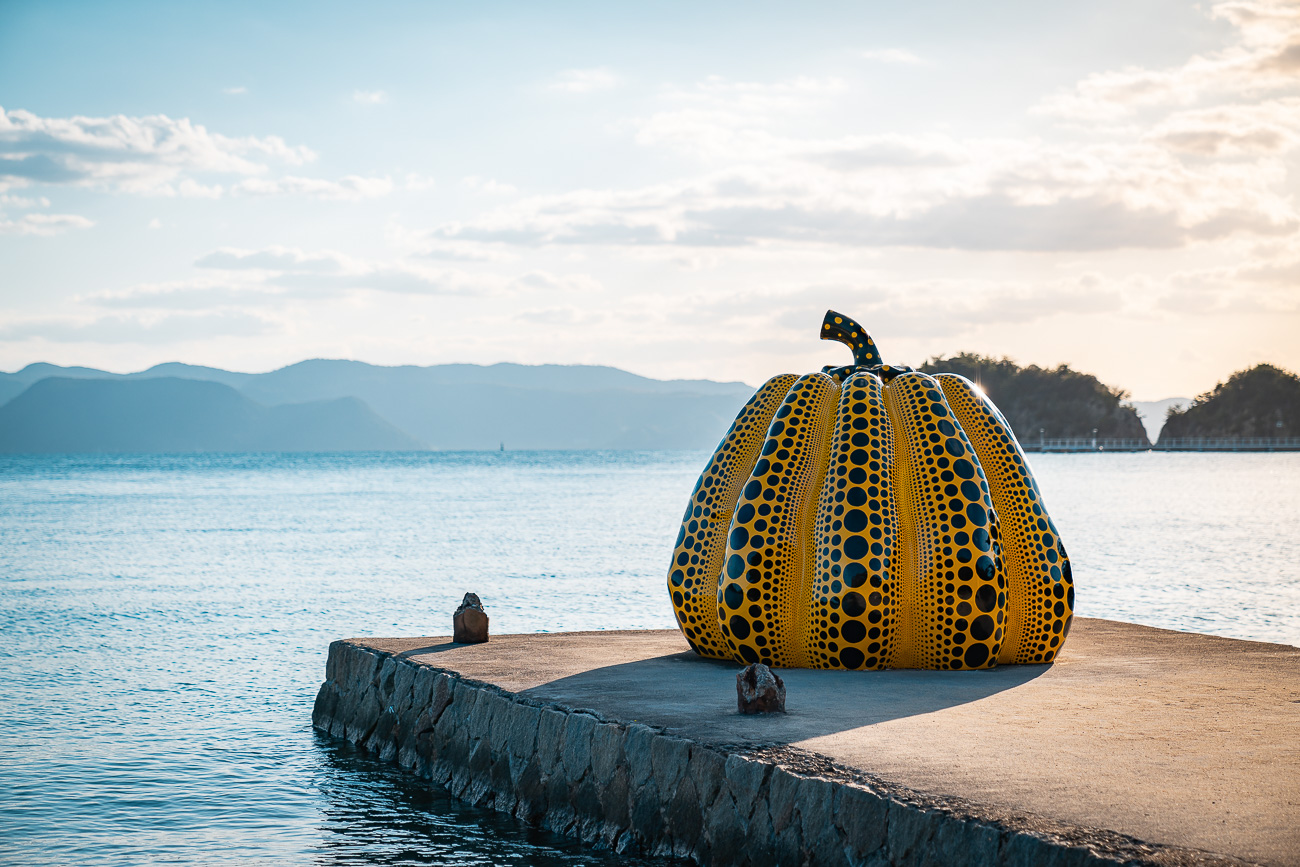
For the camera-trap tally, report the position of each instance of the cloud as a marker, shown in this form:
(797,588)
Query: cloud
(1194,174)
(418,183)
(10,201)
(370,97)
(327,274)
(234,91)
(460,251)
(563,316)
(1265,56)
(584,80)
(351,188)
(396,279)
(275,259)
(488,185)
(1264,128)
(547,282)
(892,55)
(923,309)
(854,153)
(44,224)
(150,330)
(158,155)
(181,296)
(132,154)
(972,196)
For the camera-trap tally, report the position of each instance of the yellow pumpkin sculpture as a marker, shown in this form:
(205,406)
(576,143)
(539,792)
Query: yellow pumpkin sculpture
(870,517)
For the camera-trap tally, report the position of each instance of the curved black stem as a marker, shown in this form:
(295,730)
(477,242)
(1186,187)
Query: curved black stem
(837,326)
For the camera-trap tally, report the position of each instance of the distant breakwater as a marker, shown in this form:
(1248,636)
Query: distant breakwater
(1165,444)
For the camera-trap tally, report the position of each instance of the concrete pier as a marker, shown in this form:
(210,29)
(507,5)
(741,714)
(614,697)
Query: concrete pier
(1139,745)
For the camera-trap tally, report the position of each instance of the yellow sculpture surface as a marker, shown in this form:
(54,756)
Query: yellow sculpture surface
(869,517)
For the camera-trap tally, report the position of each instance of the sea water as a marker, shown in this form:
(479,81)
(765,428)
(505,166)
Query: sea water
(164,621)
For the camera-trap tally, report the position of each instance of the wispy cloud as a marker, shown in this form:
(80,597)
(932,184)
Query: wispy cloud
(584,80)
(351,188)
(488,185)
(234,91)
(276,259)
(326,273)
(1265,56)
(892,55)
(161,156)
(44,224)
(144,329)
(131,154)
(370,97)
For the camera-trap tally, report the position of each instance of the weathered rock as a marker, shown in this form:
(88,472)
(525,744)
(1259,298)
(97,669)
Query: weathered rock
(470,622)
(760,690)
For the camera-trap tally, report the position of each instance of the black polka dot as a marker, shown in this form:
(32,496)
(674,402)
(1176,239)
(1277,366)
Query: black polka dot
(986,598)
(854,605)
(982,628)
(855,521)
(853,631)
(739,627)
(851,657)
(733,596)
(976,655)
(855,547)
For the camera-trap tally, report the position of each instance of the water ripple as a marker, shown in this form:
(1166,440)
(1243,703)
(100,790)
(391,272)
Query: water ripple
(164,622)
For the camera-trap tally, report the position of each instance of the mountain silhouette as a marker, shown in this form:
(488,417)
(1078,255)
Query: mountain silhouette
(63,414)
(452,406)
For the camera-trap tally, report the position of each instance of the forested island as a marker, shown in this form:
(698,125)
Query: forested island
(1262,401)
(1058,401)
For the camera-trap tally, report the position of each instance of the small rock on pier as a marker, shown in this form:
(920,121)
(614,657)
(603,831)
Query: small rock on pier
(470,622)
(760,690)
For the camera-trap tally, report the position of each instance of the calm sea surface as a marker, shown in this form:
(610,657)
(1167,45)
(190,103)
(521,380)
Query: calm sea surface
(164,621)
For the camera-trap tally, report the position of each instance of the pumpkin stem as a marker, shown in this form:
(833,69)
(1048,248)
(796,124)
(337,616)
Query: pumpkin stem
(837,326)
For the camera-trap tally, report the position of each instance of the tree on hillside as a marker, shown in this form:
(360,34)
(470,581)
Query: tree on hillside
(1262,401)
(1060,401)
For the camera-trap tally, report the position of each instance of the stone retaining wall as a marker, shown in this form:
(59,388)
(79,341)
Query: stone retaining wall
(639,790)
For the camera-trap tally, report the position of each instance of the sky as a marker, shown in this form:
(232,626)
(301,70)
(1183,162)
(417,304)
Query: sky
(676,189)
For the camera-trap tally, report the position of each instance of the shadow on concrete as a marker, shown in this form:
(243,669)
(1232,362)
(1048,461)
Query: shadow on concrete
(697,697)
(432,648)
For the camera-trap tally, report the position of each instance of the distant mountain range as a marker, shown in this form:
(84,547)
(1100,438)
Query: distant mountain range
(324,405)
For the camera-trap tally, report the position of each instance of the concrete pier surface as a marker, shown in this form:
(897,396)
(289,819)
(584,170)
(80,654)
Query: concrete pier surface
(1176,739)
